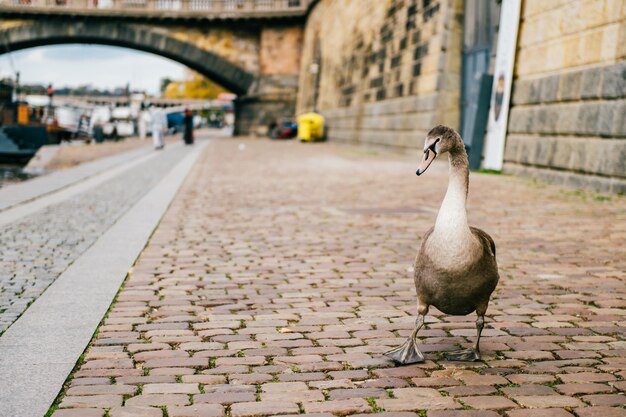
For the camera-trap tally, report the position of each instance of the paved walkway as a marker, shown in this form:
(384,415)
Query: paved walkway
(281,272)
(40,349)
(37,248)
(71,155)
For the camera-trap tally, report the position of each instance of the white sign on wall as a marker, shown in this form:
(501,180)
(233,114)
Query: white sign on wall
(502,80)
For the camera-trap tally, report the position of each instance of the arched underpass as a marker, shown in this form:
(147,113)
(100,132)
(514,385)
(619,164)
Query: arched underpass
(207,63)
(250,66)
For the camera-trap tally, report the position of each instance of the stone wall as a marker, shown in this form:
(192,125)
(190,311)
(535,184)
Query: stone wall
(388,69)
(270,52)
(568,117)
(273,95)
(280,50)
(239,46)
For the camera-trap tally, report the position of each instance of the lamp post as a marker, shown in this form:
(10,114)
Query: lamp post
(17,86)
(314,70)
(50,94)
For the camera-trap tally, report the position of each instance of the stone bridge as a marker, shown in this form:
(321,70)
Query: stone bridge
(253,51)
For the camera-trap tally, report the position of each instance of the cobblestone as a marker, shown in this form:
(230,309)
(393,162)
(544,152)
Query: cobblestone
(282,272)
(39,247)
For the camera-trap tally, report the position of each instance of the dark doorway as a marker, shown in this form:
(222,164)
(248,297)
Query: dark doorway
(480,31)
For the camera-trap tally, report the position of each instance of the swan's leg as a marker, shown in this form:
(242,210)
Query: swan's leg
(480,324)
(409,353)
(472,354)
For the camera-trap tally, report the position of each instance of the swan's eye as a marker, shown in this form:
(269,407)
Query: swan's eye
(432,147)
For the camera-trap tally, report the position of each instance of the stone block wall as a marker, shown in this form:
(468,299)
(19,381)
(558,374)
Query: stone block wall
(273,94)
(280,50)
(567,122)
(388,69)
(272,97)
(272,54)
(239,46)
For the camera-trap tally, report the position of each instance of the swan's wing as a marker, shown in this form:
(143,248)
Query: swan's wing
(485,239)
(427,235)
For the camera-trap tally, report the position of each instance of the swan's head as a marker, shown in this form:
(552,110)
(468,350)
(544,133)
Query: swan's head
(439,140)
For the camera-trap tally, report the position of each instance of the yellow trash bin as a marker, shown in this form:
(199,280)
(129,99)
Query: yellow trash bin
(310,127)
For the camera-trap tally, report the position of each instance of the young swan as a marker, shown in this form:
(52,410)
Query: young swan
(455,268)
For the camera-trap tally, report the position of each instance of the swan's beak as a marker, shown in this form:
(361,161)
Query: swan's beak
(428,157)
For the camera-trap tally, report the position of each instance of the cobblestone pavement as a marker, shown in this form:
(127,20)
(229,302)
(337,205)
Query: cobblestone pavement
(39,247)
(281,273)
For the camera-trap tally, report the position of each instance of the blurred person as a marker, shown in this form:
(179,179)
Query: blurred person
(98,131)
(159,125)
(114,135)
(142,123)
(82,128)
(188,132)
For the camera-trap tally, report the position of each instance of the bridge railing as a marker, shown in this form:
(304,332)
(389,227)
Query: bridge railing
(230,7)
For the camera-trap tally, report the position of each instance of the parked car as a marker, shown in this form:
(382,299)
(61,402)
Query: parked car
(175,122)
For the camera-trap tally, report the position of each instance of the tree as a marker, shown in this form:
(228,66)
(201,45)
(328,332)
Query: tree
(174,89)
(164,83)
(193,86)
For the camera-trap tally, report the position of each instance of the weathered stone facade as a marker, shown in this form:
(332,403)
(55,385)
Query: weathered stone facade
(274,93)
(388,69)
(567,122)
(239,46)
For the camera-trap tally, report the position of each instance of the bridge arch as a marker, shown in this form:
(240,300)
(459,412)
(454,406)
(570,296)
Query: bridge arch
(143,38)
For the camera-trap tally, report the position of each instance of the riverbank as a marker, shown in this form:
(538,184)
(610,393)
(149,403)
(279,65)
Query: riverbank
(70,155)
(67,155)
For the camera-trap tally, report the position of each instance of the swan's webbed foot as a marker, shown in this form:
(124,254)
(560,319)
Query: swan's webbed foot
(406,354)
(466,355)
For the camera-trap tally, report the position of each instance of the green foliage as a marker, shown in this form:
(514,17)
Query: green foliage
(375,407)
(164,83)
(488,171)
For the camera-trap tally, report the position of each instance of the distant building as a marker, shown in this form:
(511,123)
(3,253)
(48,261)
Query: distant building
(385,72)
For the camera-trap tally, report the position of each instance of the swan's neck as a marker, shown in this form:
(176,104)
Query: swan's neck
(452,246)
(451,222)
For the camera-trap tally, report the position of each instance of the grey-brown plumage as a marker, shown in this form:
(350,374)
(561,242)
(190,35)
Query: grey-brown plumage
(457,292)
(455,267)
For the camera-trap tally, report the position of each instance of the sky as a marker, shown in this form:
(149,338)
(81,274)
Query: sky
(99,66)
